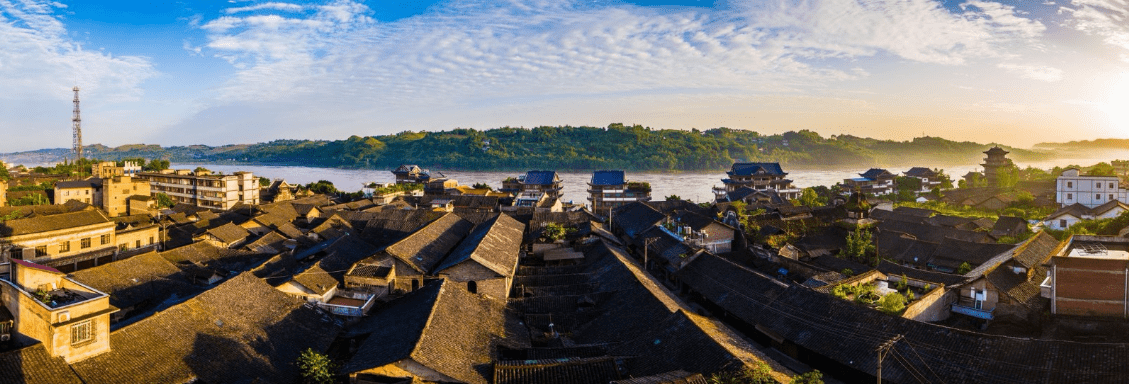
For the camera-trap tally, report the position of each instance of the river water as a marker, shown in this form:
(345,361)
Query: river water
(694,186)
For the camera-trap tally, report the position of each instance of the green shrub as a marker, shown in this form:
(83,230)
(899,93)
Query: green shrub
(893,303)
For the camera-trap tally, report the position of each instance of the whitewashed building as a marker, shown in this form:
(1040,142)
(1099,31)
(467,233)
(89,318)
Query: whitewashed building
(1091,191)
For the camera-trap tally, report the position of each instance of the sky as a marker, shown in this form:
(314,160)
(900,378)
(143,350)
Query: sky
(215,72)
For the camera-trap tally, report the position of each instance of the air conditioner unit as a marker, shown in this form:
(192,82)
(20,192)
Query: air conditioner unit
(5,337)
(64,317)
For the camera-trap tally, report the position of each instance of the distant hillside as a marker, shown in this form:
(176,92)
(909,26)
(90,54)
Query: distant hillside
(633,148)
(1108,144)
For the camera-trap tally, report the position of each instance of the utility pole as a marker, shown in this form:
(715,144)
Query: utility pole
(646,245)
(882,350)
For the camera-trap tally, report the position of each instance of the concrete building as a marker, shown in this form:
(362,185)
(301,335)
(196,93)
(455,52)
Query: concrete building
(411,173)
(759,177)
(610,189)
(72,320)
(875,181)
(1071,187)
(929,178)
(87,191)
(108,169)
(117,191)
(1089,276)
(204,189)
(68,241)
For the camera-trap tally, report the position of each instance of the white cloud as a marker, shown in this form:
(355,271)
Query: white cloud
(38,60)
(334,63)
(1108,19)
(1033,72)
(288,7)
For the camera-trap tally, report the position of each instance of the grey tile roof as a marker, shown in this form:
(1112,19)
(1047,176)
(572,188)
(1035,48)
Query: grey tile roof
(32,365)
(495,244)
(635,218)
(920,172)
(40,224)
(747,169)
(229,233)
(143,279)
(440,326)
(424,249)
(875,173)
(316,280)
(848,334)
(241,331)
(567,370)
(672,377)
(93,182)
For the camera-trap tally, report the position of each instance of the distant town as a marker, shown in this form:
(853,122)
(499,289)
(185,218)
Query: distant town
(127,270)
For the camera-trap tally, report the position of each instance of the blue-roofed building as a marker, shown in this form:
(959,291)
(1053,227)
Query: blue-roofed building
(537,187)
(758,176)
(411,173)
(610,189)
(875,181)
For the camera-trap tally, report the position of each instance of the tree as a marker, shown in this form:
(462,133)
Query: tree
(323,187)
(1006,177)
(813,377)
(481,186)
(164,201)
(809,198)
(964,268)
(156,165)
(316,368)
(906,183)
(760,374)
(673,198)
(946,181)
(201,169)
(554,232)
(859,246)
(893,303)
(264,182)
(4,175)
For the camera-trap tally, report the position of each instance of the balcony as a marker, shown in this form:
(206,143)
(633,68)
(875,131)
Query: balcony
(966,307)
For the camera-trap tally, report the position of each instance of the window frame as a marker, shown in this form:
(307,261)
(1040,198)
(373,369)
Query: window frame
(85,243)
(65,246)
(82,332)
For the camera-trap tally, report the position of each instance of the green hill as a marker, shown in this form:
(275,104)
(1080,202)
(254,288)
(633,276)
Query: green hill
(633,148)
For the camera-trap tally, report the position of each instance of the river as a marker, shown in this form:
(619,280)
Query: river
(695,186)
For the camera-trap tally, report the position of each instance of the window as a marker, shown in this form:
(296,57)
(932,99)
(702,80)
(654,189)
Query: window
(64,247)
(1111,196)
(1098,185)
(85,243)
(41,251)
(105,239)
(472,287)
(82,332)
(1070,196)
(1070,184)
(1097,196)
(87,191)
(1062,223)
(138,245)
(150,240)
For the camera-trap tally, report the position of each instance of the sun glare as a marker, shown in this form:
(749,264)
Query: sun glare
(1117,106)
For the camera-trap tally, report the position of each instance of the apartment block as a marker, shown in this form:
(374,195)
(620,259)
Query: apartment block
(204,189)
(1072,187)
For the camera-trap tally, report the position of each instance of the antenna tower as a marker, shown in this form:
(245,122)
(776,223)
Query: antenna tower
(77,125)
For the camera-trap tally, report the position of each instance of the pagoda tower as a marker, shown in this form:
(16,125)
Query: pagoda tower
(993,163)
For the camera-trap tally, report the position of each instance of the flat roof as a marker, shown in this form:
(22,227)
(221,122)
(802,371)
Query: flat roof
(1098,247)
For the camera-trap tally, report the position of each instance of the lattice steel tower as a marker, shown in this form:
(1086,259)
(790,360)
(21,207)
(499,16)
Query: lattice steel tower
(77,127)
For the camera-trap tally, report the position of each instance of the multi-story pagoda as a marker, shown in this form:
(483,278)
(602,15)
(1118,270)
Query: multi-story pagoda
(993,163)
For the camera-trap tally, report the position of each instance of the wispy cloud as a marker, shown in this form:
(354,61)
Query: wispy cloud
(1108,19)
(288,7)
(39,61)
(1033,72)
(490,49)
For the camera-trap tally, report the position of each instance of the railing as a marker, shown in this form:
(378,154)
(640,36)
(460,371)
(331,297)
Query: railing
(970,311)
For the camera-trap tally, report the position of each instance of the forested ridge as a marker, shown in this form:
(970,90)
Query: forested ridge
(616,146)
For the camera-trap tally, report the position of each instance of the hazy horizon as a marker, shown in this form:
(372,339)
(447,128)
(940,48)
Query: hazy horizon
(238,72)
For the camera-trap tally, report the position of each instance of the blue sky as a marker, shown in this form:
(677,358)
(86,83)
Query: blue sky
(1016,72)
